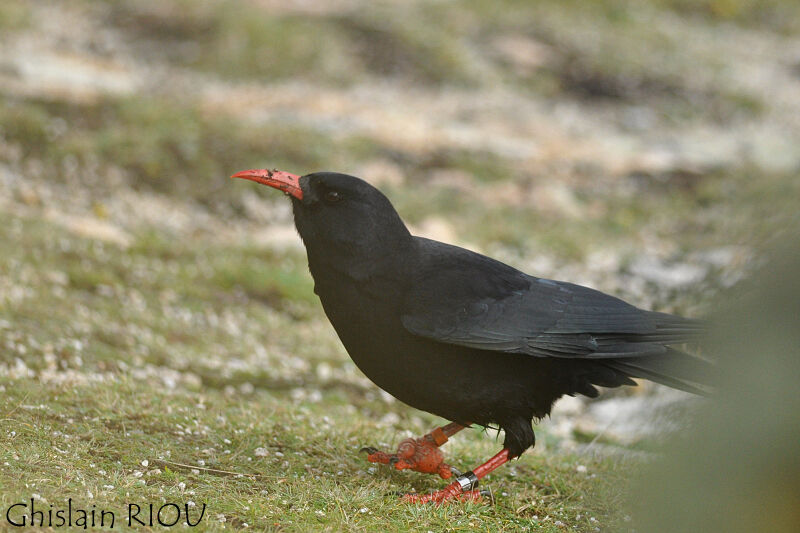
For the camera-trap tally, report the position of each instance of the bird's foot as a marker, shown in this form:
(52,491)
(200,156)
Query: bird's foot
(421,455)
(462,490)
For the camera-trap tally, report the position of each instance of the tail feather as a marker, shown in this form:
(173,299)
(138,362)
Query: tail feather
(674,368)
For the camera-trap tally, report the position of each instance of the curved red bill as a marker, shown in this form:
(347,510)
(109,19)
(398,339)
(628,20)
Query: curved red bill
(284,181)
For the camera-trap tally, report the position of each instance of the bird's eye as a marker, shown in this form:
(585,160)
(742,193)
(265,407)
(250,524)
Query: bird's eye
(332,197)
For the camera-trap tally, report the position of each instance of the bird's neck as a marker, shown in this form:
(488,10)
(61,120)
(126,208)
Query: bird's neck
(361,260)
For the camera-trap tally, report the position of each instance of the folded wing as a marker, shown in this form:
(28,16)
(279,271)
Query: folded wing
(480,303)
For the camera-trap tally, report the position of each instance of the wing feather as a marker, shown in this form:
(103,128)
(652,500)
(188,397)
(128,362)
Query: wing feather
(467,299)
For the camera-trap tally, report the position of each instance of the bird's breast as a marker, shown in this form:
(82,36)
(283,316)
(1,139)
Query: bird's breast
(359,312)
(366,317)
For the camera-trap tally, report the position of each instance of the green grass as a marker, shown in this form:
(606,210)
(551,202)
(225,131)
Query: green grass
(780,15)
(125,441)
(613,51)
(15,15)
(172,354)
(775,15)
(175,353)
(239,40)
(428,44)
(151,305)
(160,144)
(197,345)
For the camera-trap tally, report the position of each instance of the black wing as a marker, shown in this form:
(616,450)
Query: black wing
(460,297)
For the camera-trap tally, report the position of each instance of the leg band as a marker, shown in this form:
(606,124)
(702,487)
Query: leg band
(468,481)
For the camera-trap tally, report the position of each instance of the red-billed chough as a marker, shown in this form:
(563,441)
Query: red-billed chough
(464,336)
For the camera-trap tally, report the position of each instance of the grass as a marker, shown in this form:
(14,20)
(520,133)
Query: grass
(14,15)
(595,51)
(265,463)
(781,15)
(151,357)
(186,360)
(236,39)
(198,354)
(167,147)
(158,144)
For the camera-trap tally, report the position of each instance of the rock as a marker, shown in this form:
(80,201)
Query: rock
(672,276)
(523,53)
(629,419)
(380,172)
(91,228)
(436,228)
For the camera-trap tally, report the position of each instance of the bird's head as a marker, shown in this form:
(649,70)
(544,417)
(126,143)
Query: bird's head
(337,215)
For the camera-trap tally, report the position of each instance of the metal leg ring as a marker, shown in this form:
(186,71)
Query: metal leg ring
(468,481)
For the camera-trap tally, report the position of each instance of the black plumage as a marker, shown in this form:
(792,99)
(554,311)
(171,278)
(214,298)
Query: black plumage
(464,336)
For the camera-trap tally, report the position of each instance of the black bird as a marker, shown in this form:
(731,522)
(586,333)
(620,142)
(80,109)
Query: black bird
(464,336)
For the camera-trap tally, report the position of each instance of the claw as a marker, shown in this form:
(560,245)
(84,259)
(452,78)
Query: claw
(450,493)
(463,487)
(422,455)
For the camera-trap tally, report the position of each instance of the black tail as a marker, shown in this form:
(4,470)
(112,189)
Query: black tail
(673,368)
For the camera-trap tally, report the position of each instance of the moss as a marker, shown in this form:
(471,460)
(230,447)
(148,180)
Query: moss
(15,15)
(161,144)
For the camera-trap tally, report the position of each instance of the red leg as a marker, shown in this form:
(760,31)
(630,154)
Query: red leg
(422,454)
(462,487)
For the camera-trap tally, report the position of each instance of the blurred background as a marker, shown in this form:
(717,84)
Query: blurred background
(153,310)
